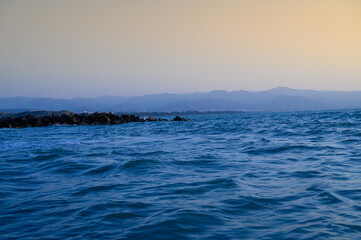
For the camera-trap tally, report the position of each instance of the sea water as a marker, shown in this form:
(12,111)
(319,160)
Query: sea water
(291,175)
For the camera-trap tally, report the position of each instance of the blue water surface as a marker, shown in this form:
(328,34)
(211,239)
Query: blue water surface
(294,175)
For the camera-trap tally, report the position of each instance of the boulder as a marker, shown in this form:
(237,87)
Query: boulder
(179,119)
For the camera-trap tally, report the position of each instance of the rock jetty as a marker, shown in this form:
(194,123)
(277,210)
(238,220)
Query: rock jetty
(70,118)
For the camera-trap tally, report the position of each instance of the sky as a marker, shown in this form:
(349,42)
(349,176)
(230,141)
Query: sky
(88,48)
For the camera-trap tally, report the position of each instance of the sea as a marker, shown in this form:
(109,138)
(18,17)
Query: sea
(259,175)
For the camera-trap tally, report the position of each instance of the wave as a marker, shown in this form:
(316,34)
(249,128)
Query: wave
(235,176)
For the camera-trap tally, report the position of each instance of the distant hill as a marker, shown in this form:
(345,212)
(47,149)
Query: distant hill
(276,99)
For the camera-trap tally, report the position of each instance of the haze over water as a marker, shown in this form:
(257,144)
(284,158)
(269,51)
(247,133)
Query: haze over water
(293,175)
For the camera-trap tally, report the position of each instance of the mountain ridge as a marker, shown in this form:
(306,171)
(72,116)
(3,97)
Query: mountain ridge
(276,99)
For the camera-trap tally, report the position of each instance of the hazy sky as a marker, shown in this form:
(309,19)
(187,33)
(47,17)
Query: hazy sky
(90,48)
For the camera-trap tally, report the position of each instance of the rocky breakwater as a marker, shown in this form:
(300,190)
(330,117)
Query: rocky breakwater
(70,118)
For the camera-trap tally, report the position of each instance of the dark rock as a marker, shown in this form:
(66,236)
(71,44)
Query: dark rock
(104,119)
(126,117)
(41,119)
(36,122)
(115,122)
(179,119)
(133,118)
(74,120)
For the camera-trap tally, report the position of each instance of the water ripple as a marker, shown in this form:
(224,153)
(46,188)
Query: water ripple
(292,175)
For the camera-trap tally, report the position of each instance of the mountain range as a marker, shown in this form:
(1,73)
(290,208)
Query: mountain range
(276,99)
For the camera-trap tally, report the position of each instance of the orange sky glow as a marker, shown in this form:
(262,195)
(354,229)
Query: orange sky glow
(59,48)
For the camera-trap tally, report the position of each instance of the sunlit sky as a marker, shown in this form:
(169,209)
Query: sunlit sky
(87,48)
